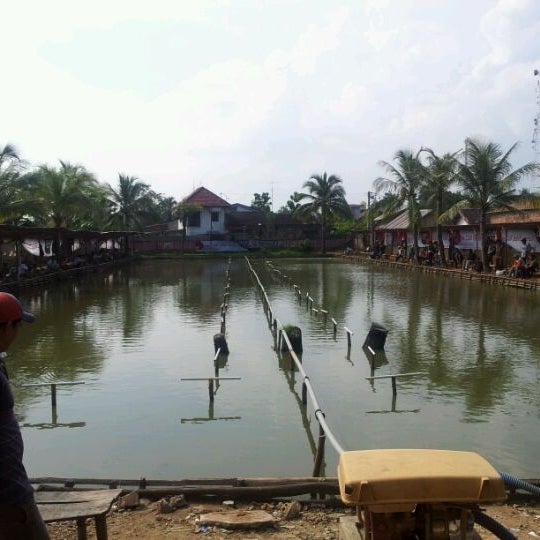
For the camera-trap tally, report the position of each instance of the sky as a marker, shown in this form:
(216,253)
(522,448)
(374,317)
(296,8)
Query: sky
(253,96)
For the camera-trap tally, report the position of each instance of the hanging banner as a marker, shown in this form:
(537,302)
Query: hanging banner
(39,248)
(513,237)
(468,239)
(109,244)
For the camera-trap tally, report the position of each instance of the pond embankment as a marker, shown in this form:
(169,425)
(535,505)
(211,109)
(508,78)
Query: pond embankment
(54,276)
(532,283)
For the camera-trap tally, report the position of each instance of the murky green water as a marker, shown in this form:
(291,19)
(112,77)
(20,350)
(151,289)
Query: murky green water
(133,333)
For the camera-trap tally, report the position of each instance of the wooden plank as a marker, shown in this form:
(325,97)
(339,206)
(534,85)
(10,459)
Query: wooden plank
(96,495)
(348,529)
(65,505)
(218,481)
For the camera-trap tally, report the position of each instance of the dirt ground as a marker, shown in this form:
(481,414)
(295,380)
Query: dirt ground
(313,522)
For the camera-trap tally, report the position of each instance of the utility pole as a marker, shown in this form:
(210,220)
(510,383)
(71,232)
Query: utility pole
(371,220)
(272,195)
(536,132)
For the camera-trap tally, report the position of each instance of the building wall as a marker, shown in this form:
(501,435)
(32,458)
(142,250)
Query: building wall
(207,226)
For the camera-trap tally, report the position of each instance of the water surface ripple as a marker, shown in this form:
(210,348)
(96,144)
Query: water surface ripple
(133,333)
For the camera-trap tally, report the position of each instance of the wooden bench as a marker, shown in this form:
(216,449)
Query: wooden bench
(78,506)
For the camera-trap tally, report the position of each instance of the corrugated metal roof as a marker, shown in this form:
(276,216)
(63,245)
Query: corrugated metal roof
(401,221)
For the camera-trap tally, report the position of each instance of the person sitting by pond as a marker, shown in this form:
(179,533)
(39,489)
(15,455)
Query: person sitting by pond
(401,251)
(22,270)
(490,252)
(518,268)
(457,257)
(78,261)
(531,267)
(52,264)
(376,253)
(469,262)
(526,250)
(430,254)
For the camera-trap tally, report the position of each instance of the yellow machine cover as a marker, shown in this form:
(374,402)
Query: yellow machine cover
(406,477)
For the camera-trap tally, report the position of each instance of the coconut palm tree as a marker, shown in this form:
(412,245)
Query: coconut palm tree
(182,212)
(130,203)
(441,174)
(326,199)
(407,176)
(487,182)
(166,207)
(11,166)
(292,204)
(9,159)
(63,195)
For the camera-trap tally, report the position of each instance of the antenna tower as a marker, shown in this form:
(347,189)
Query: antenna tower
(536,131)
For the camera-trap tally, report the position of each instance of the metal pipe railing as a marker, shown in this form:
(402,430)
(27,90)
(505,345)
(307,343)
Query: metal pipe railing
(307,389)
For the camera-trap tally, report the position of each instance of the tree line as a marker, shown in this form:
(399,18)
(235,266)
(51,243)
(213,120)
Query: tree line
(478,176)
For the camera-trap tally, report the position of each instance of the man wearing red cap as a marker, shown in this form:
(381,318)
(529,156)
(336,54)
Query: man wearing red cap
(19,515)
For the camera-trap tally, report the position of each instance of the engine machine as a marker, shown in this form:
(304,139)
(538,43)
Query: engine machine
(417,494)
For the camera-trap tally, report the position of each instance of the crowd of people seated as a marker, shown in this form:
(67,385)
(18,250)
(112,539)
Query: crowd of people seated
(524,265)
(36,266)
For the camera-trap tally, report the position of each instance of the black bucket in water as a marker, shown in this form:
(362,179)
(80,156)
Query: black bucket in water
(376,337)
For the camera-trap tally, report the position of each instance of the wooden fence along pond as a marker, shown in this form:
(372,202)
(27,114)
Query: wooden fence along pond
(469,275)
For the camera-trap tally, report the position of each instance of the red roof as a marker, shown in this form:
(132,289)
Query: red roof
(205,198)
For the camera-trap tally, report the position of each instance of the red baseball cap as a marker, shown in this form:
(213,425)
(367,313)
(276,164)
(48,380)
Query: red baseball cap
(11,309)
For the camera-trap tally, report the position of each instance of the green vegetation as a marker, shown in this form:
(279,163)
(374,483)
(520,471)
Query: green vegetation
(326,201)
(487,182)
(406,178)
(68,195)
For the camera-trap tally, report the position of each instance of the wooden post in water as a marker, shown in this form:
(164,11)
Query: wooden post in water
(304,393)
(53,392)
(349,333)
(211,381)
(319,457)
(222,329)
(334,322)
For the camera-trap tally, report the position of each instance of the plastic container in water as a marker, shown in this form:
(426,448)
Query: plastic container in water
(376,337)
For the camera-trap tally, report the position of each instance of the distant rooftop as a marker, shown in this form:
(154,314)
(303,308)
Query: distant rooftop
(205,198)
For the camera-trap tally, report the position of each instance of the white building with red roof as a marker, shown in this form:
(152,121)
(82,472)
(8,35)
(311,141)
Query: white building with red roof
(209,218)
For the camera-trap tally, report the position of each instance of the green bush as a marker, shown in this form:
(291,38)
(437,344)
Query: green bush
(305,246)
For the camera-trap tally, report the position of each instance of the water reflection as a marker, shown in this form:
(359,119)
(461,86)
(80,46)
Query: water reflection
(289,369)
(54,424)
(132,334)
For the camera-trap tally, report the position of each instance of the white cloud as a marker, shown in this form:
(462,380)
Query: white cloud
(247,97)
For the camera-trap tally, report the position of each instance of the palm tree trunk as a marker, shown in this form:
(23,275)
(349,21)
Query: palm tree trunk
(439,229)
(415,244)
(483,240)
(323,236)
(183,237)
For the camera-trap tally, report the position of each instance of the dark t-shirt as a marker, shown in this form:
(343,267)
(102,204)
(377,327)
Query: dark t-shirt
(15,487)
